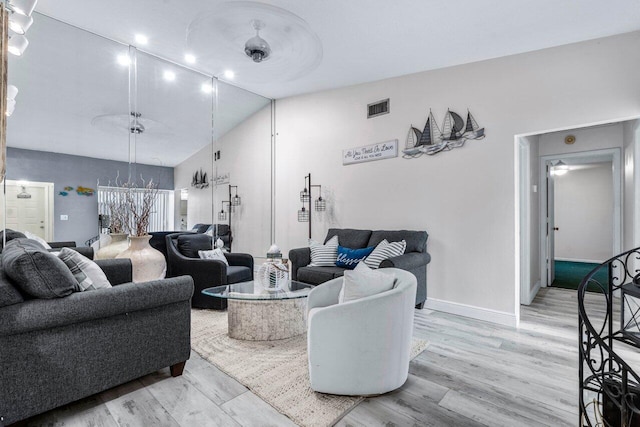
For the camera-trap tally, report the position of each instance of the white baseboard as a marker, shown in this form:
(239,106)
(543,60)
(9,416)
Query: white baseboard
(533,292)
(591,261)
(485,314)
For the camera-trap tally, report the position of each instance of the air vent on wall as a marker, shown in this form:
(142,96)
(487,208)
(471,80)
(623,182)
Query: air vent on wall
(378,108)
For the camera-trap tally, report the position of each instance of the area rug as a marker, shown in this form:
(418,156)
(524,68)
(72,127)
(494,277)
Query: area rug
(276,371)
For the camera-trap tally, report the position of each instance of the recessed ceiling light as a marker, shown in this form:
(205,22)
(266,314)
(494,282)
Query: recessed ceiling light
(229,74)
(207,88)
(191,59)
(169,76)
(124,60)
(142,39)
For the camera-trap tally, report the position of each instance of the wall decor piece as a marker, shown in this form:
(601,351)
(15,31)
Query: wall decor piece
(432,140)
(222,178)
(84,191)
(200,180)
(367,153)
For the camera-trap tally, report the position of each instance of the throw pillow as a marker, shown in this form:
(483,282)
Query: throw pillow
(213,254)
(9,234)
(35,271)
(190,244)
(363,282)
(37,238)
(385,250)
(324,255)
(86,272)
(349,258)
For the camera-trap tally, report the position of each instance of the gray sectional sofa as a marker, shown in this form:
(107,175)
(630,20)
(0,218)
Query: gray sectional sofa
(55,351)
(415,258)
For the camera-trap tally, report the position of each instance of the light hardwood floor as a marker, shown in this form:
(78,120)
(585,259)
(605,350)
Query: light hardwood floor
(472,373)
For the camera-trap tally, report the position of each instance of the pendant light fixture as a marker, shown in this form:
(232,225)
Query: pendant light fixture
(560,168)
(12,92)
(19,23)
(17,44)
(23,7)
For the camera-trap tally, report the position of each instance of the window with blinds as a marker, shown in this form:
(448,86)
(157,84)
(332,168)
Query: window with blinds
(161,218)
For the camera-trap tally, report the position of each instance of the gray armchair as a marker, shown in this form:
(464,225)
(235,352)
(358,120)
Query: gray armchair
(56,351)
(182,256)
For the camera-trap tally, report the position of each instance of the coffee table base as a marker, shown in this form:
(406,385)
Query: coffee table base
(266,320)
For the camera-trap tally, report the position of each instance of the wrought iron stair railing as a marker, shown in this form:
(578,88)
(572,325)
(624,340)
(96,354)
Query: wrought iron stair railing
(609,333)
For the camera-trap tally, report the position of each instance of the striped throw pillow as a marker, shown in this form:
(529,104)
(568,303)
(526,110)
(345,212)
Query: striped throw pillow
(324,255)
(385,250)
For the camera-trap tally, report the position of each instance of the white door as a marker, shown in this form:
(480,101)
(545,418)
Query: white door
(551,274)
(28,209)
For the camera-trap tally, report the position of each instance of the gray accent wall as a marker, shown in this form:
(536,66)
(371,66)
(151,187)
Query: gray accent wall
(74,171)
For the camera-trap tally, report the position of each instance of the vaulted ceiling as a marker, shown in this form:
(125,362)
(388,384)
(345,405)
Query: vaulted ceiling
(367,40)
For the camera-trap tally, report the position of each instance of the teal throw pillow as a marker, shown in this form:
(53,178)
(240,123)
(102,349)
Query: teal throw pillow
(349,258)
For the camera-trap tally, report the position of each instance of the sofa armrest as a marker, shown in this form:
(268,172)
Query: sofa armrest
(42,314)
(238,259)
(59,245)
(300,257)
(407,261)
(118,271)
(209,272)
(325,294)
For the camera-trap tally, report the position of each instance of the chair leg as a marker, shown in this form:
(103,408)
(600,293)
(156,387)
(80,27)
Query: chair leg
(176,370)
(420,306)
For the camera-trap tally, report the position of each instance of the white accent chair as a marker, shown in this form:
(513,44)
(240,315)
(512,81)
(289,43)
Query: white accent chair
(360,347)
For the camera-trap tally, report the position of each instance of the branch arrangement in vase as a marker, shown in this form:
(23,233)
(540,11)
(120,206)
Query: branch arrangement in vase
(140,203)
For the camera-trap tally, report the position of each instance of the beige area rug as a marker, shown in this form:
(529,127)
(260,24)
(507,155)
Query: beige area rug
(274,370)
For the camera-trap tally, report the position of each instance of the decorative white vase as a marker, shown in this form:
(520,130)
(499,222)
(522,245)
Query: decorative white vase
(119,243)
(148,263)
(272,275)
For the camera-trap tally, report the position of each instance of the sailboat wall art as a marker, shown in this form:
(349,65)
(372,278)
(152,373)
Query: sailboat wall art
(433,140)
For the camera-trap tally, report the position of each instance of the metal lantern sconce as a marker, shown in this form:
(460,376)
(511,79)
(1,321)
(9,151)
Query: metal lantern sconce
(304,214)
(233,201)
(305,195)
(222,215)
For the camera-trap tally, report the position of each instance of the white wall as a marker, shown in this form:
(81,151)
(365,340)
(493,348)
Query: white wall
(631,138)
(534,214)
(587,139)
(199,205)
(584,214)
(465,198)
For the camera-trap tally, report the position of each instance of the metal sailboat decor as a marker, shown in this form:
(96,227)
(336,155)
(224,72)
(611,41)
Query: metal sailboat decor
(431,140)
(200,180)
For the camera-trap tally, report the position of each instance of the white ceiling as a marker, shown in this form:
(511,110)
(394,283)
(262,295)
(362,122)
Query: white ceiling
(367,40)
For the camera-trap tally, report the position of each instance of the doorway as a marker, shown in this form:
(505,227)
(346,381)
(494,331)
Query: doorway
(610,138)
(580,214)
(29,207)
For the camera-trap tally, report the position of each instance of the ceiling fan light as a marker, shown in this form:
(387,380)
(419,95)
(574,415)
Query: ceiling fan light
(17,44)
(23,7)
(19,23)
(257,49)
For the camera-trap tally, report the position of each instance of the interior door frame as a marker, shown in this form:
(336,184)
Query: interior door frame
(48,203)
(615,154)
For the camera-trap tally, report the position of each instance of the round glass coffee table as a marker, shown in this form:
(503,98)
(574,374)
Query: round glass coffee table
(258,314)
